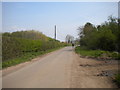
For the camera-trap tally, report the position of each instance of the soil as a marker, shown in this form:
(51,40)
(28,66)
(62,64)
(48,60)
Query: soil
(93,73)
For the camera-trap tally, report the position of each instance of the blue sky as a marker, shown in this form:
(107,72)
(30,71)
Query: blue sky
(42,16)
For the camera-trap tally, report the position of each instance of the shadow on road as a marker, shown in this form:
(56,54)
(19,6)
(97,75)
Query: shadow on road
(70,49)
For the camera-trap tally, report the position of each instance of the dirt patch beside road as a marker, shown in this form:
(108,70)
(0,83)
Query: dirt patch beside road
(91,73)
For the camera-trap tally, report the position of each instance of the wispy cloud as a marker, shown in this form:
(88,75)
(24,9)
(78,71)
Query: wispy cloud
(17,28)
(13,28)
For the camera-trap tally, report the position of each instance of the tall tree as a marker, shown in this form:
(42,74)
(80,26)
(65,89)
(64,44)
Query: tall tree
(69,39)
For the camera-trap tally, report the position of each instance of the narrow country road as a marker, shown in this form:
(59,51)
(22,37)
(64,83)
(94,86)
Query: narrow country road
(61,69)
(51,71)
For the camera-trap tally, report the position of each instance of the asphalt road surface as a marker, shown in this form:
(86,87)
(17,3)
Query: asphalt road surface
(50,71)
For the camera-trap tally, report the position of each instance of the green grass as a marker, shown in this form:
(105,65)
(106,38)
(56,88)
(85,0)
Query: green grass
(117,79)
(96,53)
(86,52)
(26,57)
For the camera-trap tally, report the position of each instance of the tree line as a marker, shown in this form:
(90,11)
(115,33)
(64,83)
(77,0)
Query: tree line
(104,37)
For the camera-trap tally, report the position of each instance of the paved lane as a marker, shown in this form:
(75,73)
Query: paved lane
(51,71)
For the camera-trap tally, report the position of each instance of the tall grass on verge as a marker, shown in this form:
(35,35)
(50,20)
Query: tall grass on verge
(117,79)
(97,53)
(26,57)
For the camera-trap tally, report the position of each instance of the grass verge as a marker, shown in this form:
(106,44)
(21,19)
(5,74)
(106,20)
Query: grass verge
(26,57)
(97,53)
(117,79)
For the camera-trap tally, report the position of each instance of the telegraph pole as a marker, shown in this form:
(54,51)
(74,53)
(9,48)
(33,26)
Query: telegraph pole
(55,32)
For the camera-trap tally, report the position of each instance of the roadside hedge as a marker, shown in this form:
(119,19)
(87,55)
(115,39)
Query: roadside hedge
(14,46)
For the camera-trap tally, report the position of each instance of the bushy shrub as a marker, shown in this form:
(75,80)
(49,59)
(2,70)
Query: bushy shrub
(11,48)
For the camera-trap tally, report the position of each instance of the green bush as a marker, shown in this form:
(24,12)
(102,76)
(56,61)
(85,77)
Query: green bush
(117,79)
(11,48)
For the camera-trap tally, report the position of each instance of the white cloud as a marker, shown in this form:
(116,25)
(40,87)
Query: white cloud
(17,28)
(13,28)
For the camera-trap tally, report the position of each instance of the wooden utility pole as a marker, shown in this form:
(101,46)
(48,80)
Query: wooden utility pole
(55,32)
